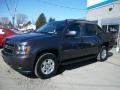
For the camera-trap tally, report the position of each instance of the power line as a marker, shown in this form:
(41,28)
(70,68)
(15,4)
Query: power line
(62,6)
(1,2)
(8,8)
(14,11)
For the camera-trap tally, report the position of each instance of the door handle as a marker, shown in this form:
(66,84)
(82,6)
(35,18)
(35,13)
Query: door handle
(92,44)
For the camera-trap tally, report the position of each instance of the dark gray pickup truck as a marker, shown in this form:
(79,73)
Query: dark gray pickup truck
(42,51)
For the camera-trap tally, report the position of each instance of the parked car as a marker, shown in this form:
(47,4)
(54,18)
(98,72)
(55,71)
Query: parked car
(5,32)
(44,50)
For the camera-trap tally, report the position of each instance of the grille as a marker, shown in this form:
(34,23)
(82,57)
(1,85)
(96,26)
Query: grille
(9,48)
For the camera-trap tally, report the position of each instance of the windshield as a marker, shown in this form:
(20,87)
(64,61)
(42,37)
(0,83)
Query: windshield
(51,28)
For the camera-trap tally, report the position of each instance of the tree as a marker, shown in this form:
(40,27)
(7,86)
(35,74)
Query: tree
(10,25)
(28,23)
(51,19)
(4,20)
(21,19)
(40,21)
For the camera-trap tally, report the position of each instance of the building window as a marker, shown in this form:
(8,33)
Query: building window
(113,28)
(110,28)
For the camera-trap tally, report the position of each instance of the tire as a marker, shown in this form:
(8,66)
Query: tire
(103,54)
(46,66)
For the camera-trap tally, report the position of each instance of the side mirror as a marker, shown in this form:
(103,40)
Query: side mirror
(71,33)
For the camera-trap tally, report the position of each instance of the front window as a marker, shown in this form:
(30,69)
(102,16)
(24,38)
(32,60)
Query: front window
(75,27)
(51,28)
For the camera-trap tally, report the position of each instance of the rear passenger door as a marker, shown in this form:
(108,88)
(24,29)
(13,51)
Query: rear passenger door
(89,39)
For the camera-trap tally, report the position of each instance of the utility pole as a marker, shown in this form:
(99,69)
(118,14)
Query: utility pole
(12,14)
(13,21)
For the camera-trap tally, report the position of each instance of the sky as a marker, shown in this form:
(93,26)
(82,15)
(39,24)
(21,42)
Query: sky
(58,9)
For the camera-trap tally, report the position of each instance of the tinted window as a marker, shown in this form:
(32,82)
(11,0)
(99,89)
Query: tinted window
(51,28)
(88,30)
(98,29)
(48,28)
(75,27)
(60,28)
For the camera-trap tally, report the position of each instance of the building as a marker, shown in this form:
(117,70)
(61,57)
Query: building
(106,13)
(28,27)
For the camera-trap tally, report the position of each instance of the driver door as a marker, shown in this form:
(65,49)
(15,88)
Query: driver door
(71,44)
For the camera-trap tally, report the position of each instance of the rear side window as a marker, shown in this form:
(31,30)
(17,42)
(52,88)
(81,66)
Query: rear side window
(98,29)
(88,30)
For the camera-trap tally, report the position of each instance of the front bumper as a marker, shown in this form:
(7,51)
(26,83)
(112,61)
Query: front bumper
(21,63)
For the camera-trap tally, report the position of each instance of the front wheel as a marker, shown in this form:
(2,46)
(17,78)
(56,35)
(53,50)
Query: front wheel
(103,54)
(46,66)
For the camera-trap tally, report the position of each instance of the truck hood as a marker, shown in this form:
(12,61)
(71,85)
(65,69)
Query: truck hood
(24,37)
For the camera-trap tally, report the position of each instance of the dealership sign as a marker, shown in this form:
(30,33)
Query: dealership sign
(96,3)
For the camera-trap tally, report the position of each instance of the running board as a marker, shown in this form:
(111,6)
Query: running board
(73,61)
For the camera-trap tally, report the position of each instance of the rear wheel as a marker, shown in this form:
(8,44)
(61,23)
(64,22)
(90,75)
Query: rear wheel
(46,65)
(103,54)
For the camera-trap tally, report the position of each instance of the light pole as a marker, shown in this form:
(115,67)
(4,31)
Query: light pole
(118,41)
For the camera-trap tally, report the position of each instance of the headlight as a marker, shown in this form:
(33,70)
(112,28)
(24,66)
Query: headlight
(22,49)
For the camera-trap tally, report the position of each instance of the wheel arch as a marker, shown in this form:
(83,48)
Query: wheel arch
(54,51)
(106,44)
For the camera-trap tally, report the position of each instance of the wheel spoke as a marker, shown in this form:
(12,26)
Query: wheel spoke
(47,66)
(103,54)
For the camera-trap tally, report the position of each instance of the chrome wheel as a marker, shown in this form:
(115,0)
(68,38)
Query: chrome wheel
(47,66)
(103,54)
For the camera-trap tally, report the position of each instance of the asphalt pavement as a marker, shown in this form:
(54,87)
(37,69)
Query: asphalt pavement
(88,75)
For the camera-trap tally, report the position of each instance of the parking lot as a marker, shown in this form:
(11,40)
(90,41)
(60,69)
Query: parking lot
(88,75)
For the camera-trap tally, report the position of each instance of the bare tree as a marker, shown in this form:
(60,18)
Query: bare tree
(4,20)
(21,19)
